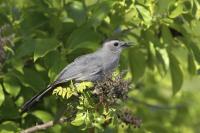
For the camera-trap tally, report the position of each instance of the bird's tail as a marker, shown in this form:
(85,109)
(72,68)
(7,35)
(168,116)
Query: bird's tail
(36,98)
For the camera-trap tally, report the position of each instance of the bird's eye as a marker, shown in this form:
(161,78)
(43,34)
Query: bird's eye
(116,44)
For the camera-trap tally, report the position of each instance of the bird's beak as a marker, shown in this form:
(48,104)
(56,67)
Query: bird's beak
(127,44)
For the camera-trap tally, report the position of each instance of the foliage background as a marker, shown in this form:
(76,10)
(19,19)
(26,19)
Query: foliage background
(39,37)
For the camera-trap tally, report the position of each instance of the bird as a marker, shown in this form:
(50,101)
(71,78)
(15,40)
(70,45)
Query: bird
(90,67)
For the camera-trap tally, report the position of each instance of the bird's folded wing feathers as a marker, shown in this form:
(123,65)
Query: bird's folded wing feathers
(86,65)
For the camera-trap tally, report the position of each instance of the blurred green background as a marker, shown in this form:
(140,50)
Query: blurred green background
(39,37)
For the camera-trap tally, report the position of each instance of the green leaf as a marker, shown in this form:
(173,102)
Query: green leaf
(63,92)
(8,49)
(176,10)
(63,108)
(86,100)
(43,115)
(51,58)
(166,35)
(20,101)
(163,6)
(151,37)
(69,92)
(55,62)
(4,19)
(57,91)
(90,2)
(54,70)
(20,77)
(25,48)
(18,63)
(9,110)
(145,14)
(2,97)
(77,11)
(162,61)
(151,56)
(83,85)
(11,85)
(79,120)
(9,127)
(35,80)
(196,51)
(34,19)
(194,28)
(137,60)
(79,37)
(100,12)
(88,119)
(191,64)
(176,73)
(197,13)
(43,46)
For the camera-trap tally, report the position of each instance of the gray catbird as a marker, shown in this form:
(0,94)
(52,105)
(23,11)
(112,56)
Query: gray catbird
(90,67)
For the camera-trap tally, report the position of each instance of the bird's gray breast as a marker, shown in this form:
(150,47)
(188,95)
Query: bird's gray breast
(110,63)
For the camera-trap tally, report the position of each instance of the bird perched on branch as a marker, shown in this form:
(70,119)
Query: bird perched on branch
(90,67)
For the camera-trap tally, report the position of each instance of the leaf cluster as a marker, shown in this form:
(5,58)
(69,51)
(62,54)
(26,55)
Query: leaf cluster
(97,103)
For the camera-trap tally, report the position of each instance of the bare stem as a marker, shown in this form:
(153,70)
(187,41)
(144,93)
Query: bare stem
(49,124)
(44,126)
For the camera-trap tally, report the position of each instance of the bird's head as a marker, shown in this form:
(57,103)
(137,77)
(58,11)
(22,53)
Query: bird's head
(116,46)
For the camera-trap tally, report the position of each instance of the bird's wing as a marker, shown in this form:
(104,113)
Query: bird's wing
(86,65)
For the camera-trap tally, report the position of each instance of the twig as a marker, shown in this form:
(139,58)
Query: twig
(48,124)
(42,126)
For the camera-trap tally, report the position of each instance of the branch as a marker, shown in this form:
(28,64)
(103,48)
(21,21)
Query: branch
(48,124)
(42,126)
